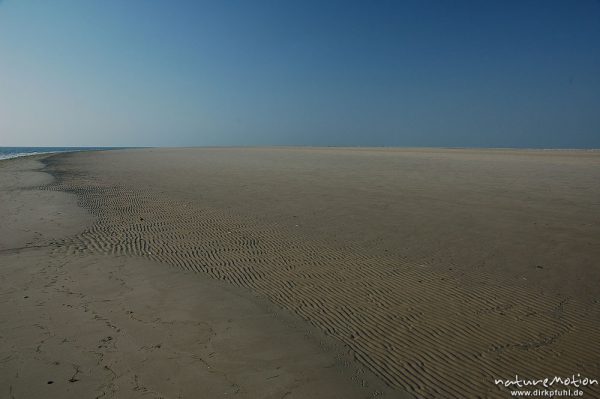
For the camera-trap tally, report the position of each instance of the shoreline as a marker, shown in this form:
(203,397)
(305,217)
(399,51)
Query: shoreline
(51,151)
(481,150)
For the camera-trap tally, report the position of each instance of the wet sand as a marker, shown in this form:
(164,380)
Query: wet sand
(435,270)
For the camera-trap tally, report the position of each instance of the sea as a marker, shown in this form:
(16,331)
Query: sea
(14,152)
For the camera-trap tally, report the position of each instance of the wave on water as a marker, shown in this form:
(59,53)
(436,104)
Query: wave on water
(15,152)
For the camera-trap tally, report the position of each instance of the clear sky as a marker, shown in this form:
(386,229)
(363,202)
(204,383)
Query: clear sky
(376,73)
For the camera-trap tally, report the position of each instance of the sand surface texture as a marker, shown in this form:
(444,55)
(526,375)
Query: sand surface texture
(438,270)
(78,325)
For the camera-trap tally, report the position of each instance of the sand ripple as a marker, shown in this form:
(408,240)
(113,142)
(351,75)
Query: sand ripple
(417,330)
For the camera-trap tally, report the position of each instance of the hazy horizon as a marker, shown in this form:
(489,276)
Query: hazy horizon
(310,146)
(344,74)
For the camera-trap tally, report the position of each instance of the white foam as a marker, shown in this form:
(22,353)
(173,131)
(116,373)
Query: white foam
(23,154)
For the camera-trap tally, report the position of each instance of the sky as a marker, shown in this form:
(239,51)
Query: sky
(311,73)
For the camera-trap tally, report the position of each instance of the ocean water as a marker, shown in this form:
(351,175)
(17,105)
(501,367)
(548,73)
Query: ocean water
(14,152)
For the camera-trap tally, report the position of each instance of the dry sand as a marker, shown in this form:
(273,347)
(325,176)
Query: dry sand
(93,326)
(437,270)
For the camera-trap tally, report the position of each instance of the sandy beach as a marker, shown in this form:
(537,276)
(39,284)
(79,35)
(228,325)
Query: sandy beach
(79,325)
(298,272)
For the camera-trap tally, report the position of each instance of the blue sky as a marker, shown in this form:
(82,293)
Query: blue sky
(347,73)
